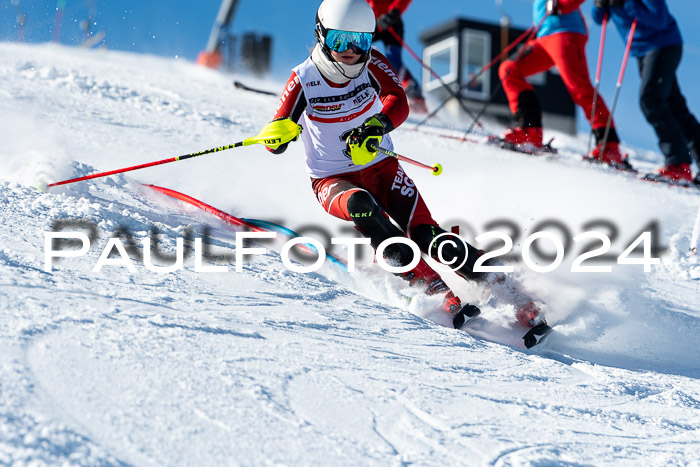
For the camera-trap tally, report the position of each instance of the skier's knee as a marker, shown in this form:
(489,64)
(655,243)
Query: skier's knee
(373,223)
(361,204)
(368,216)
(505,69)
(651,105)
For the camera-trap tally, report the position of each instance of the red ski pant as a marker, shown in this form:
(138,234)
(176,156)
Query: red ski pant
(387,182)
(566,51)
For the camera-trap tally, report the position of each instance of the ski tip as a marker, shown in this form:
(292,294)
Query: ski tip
(535,335)
(466,314)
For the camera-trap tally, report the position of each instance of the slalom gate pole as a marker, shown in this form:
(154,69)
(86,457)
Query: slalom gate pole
(599,67)
(149,164)
(532,33)
(628,48)
(432,72)
(483,70)
(695,237)
(436,169)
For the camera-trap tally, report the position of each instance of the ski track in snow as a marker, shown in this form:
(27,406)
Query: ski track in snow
(269,366)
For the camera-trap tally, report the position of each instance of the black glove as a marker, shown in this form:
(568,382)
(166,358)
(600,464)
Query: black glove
(618,3)
(389,20)
(602,4)
(553,7)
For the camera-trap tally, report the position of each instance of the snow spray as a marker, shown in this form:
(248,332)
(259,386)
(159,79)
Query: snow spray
(695,239)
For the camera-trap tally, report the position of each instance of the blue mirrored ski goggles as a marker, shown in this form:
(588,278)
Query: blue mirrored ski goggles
(340,41)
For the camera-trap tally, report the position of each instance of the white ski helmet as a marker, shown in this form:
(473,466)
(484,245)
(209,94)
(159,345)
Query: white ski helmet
(344,15)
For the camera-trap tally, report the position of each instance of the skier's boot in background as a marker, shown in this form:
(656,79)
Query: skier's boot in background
(674,173)
(611,155)
(524,138)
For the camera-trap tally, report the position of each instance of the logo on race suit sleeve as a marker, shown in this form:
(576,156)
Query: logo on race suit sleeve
(404,184)
(287,90)
(325,193)
(386,69)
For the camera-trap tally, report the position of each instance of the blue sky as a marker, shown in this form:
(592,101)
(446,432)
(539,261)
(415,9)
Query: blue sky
(181,28)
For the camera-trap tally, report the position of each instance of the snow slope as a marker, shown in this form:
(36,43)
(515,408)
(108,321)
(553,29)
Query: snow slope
(269,366)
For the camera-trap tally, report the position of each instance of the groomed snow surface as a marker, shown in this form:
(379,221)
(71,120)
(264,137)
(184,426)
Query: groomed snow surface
(269,366)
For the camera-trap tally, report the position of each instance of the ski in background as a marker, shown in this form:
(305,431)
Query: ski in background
(554,153)
(244,87)
(499,141)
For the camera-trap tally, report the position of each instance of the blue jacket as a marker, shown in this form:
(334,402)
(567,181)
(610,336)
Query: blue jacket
(656,27)
(571,22)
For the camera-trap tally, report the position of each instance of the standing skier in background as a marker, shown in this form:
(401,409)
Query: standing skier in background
(349,99)
(658,46)
(388,15)
(560,41)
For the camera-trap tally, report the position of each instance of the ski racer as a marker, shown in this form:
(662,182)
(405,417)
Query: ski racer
(349,99)
(388,15)
(658,46)
(560,41)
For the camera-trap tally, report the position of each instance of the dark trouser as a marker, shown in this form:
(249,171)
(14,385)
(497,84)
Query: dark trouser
(665,107)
